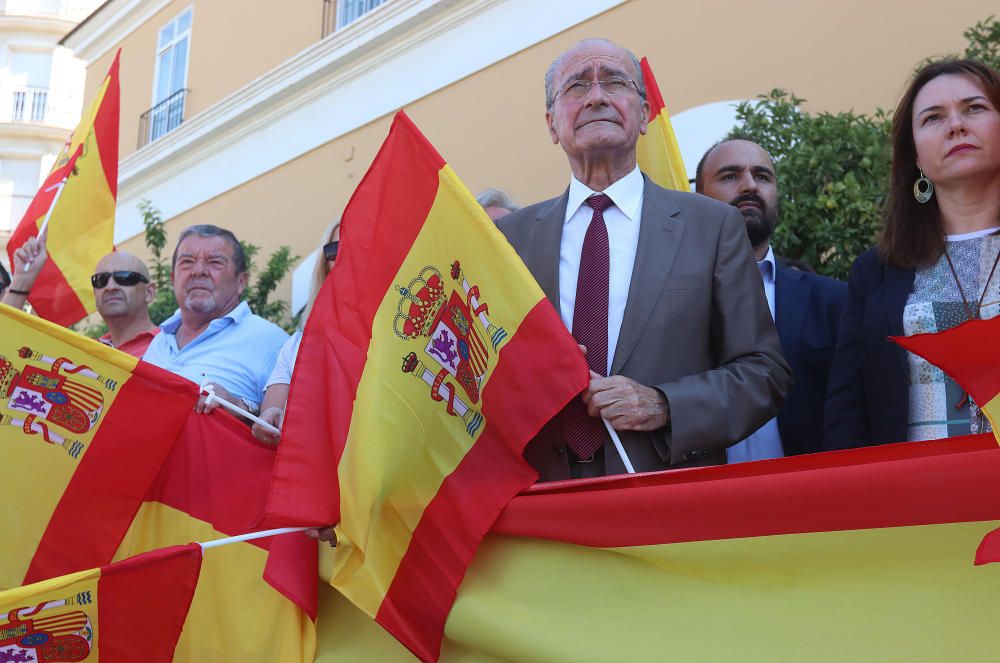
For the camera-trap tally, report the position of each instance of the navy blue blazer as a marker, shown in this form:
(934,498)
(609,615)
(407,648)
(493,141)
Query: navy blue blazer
(868,397)
(808,308)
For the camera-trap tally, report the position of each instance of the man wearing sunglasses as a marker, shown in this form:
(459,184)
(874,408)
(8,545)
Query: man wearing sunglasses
(123,293)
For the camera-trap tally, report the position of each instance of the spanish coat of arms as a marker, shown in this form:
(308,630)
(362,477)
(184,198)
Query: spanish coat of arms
(34,635)
(458,339)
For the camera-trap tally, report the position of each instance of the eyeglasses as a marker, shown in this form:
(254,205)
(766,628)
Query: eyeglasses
(330,250)
(123,278)
(613,87)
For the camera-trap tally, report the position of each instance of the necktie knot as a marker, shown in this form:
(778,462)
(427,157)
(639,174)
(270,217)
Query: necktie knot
(599,202)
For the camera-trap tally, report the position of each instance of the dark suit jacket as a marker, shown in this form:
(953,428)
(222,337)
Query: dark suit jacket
(696,327)
(868,397)
(808,308)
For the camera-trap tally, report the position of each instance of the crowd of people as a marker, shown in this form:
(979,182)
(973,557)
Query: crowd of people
(704,346)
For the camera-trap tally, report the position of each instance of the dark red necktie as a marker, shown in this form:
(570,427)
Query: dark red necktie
(585,434)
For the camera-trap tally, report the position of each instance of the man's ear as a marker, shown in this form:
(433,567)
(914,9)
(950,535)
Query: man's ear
(242,280)
(644,119)
(552,129)
(150,293)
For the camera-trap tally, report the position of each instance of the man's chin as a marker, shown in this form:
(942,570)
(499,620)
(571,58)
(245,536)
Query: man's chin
(200,304)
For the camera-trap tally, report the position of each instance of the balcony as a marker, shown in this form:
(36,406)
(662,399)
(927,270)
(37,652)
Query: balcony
(24,104)
(69,10)
(162,118)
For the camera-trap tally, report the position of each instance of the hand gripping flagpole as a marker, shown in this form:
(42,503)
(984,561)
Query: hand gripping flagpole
(212,397)
(618,446)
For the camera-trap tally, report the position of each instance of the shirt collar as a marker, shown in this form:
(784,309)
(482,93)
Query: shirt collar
(626,194)
(242,310)
(767,265)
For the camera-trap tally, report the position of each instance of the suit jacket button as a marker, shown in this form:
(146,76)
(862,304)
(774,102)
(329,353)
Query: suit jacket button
(694,454)
(560,450)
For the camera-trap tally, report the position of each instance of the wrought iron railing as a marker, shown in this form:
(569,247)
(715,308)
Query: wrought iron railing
(28,104)
(162,118)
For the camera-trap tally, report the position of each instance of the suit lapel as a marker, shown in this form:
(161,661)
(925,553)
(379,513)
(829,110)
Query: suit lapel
(542,256)
(660,235)
(791,299)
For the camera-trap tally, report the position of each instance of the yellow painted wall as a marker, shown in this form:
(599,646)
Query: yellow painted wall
(853,54)
(232,43)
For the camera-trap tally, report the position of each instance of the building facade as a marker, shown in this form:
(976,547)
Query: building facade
(41,96)
(263,116)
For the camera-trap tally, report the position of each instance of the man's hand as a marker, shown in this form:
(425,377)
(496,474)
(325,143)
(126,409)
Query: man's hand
(625,403)
(323,534)
(202,407)
(273,416)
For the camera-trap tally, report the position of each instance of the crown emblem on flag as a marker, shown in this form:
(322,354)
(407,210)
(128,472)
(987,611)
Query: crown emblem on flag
(422,299)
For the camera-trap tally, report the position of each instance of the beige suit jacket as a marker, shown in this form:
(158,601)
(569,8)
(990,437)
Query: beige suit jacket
(697,327)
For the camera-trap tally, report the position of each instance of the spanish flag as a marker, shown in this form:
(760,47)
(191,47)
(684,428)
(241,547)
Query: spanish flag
(131,611)
(969,354)
(84,430)
(430,358)
(858,555)
(657,151)
(248,606)
(78,199)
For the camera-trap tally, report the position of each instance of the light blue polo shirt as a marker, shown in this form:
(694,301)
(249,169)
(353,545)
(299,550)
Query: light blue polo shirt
(238,351)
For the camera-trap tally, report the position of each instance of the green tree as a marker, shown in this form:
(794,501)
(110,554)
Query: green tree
(984,42)
(833,169)
(259,290)
(833,172)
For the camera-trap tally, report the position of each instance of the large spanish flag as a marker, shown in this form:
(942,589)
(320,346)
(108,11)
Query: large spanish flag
(81,226)
(84,430)
(248,607)
(969,353)
(859,555)
(430,358)
(131,611)
(657,151)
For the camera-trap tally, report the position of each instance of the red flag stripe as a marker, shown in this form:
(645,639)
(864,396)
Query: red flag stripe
(106,126)
(653,96)
(142,603)
(451,526)
(888,486)
(114,474)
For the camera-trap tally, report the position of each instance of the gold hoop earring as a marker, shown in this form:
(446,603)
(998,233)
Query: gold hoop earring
(923,189)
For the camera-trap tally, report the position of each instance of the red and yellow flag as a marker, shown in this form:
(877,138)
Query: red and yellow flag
(84,430)
(124,612)
(248,606)
(430,358)
(80,228)
(657,151)
(970,355)
(859,555)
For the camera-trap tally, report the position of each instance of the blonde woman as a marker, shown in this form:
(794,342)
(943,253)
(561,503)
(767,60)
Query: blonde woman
(272,408)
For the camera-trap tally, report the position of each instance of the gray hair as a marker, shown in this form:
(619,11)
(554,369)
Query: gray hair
(208,230)
(550,75)
(496,198)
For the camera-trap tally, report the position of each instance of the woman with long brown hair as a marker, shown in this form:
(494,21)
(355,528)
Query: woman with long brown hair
(934,268)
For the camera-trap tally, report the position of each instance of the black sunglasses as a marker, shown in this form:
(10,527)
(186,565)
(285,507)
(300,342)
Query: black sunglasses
(100,279)
(330,250)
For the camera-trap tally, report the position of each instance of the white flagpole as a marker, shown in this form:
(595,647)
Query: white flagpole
(618,446)
(251,536)
(236,409)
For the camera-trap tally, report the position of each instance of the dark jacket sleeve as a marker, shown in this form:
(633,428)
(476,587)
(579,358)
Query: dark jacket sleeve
(846,412)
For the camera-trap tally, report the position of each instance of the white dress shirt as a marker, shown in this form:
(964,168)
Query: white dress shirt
(765,442)
(622,220)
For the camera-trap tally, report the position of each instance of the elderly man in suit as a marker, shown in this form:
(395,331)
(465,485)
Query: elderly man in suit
(806,307)
(658,286)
